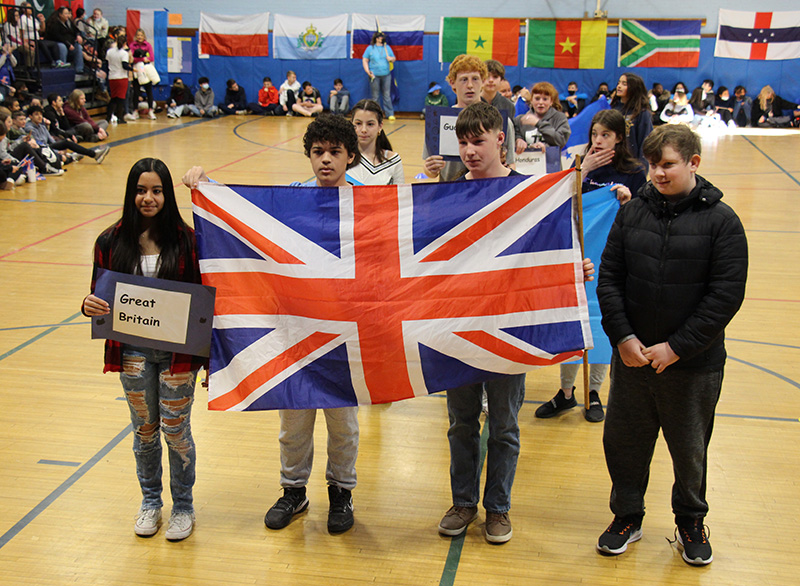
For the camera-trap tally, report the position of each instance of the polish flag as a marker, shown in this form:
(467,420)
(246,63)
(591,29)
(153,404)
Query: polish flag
(234,36)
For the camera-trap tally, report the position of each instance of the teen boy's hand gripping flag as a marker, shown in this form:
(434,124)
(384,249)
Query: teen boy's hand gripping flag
(329,297)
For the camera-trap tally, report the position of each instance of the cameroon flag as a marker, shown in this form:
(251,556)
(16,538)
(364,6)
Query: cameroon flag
(487,38)
(566,44)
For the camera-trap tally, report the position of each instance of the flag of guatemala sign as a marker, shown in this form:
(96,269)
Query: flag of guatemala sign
(331,297)
(310,38)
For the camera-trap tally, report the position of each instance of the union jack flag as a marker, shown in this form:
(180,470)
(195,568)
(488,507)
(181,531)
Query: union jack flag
(332,297)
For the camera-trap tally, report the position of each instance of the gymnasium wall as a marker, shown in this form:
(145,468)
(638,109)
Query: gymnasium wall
(413,76)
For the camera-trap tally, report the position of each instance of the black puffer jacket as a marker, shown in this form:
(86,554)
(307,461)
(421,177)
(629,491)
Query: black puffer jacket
(674,273)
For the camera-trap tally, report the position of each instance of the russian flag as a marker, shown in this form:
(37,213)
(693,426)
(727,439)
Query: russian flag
(234,36)
(154,24)
(403,34)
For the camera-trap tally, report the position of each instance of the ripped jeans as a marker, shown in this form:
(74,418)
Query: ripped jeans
(158,402)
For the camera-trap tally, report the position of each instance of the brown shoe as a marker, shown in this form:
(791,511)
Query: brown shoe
(456,519)
(498,527)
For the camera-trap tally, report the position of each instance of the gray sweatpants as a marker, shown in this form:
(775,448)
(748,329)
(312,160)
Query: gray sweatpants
(640,402)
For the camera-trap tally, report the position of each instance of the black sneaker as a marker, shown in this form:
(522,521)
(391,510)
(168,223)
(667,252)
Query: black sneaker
(556,405)
(340,513)
(595,412)
(621,532)
(691,536)
(292,502)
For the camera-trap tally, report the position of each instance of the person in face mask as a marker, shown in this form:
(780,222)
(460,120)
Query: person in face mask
(602,90)
(204,101)
(572,102)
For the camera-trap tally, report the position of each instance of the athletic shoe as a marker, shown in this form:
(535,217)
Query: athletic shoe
(691,536)
(61,65)
(147,522)
(340,512)
(50,170)
(594,413)
(75,156)
(130,117)
(292,502)
(171,114)
(8,185)
(21,179)
(101,153)
(181,525)
(456,519)
(241,112)
(498,527)
(151,115)
(621,532)
(113,119)
(556,405)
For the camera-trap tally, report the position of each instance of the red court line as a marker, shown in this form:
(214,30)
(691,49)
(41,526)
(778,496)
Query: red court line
(42,262)
(252,154)
(115,211)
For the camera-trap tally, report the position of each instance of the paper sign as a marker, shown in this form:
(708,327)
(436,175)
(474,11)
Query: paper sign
(531,162)
(155,313)
(440,131)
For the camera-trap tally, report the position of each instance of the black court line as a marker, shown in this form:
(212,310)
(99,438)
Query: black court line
(153,133)
(771,160)
(59,463)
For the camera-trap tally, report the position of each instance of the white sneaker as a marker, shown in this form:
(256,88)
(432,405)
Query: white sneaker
(147,522)
(114,119)
(181,525)
(130,117)
(21,179)
(50,170)
(151,115)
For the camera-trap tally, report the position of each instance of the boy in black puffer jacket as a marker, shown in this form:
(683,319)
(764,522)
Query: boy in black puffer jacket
(671,278)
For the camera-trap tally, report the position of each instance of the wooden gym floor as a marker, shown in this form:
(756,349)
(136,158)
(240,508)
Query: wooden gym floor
(68,490)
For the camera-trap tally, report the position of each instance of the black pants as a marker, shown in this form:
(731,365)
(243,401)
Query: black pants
(640,402)
(22,150)
(148,90)
(75,147)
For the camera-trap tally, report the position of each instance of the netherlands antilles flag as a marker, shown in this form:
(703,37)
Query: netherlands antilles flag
(758,35)
(566,44)
(404,34)
(329,297)
(234,36)
(659,43)
(154,24)
(487,38)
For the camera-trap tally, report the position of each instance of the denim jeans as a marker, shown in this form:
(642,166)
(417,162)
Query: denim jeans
(381,85)
(340,104)
(160,401)
(640,402)
(505,396)
(297,446)
(76,55)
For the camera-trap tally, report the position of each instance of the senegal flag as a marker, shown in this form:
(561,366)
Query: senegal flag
(566,44)
(487,38)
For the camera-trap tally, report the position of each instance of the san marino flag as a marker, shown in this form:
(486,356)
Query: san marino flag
(310,38)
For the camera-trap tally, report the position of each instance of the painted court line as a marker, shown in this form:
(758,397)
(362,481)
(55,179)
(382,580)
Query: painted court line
(59,463)
(38,337)
(771,160)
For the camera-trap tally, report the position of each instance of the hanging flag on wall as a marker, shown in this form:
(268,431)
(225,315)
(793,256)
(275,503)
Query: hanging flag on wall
(234,36)
(310,38)
(404,34)
(566,44)
(758,35)
(361,295)
(487,38)
(659,43)
(154,25)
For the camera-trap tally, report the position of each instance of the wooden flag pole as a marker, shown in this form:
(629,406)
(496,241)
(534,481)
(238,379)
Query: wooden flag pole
(579,203)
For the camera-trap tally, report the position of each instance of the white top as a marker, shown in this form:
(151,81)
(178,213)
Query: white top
(149,264)
(285,87)
(116,57)
(389,172)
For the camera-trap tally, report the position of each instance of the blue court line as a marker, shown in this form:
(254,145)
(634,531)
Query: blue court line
(763,343)
(153,133)
(37,337)
(77,323)
(771,160)
(59,463)
(237,135)
(457,543)
(50,499)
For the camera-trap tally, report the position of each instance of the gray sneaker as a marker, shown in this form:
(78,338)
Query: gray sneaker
(456,519)
(147,522)
(101,153)
(181,525)
(498,527)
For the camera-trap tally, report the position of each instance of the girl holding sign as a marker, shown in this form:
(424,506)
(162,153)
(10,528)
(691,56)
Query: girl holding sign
(151,239)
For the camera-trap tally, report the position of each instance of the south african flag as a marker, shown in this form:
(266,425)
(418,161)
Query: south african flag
(659,43)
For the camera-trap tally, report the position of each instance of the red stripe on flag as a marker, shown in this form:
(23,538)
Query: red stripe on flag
(505,40)
(358,51)
(672,59)
(482,227)
(758,51)
(763,20)
(132,20)
(502,348)
(235,45)
(266,372)
(568,44)
(405,52)
(269,248)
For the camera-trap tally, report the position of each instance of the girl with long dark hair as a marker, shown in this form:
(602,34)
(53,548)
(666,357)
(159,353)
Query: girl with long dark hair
(631,99)
(151,239)
(378,164)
